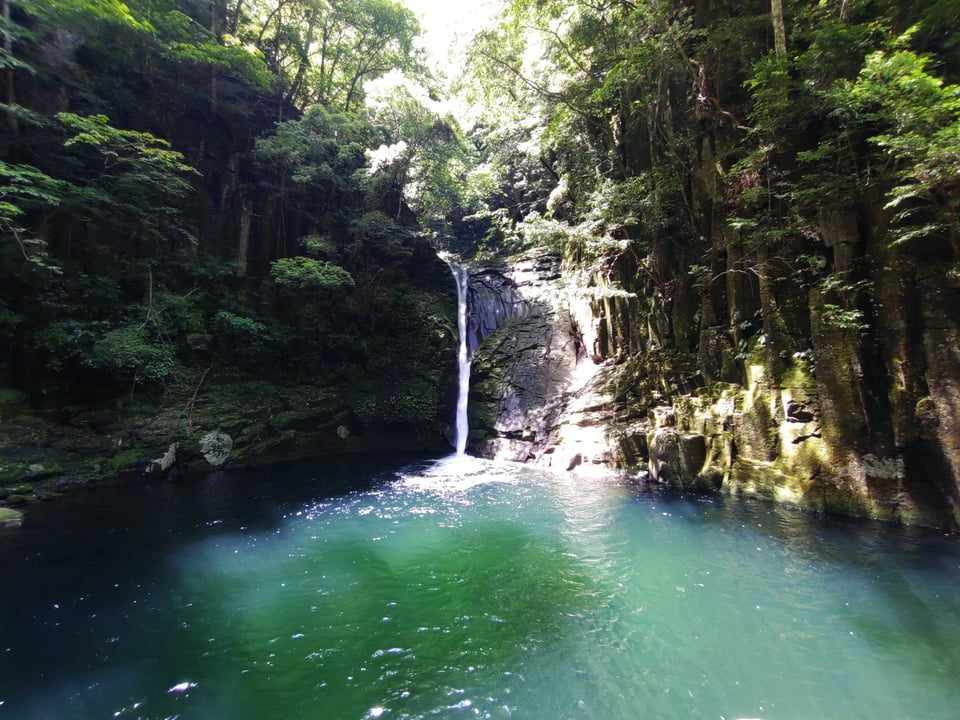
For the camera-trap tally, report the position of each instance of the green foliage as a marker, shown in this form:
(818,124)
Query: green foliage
(317,246)
(87,15)
(325,52)
(918,119)
(149,158)
(303,274)
(103,193)
(840,295)
(247,66)
(178,319)
(775,95)
(125,180)
(24,188)
(131,351)
(62,344)
(844,318)
(377,235)
(318,154)
(426,157)
(238,326)
(590,132)
(240,334)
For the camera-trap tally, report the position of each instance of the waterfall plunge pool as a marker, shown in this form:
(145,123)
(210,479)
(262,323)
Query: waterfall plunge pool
(369,588)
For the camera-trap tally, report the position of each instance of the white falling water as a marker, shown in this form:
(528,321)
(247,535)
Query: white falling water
(461,276)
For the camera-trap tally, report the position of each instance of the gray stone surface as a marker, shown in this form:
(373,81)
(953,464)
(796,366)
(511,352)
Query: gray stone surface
(215,447)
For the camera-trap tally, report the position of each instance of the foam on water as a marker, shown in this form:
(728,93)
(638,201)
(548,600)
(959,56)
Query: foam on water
(458,474)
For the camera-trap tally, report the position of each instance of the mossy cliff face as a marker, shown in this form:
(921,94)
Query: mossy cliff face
(395,395)
(764,389)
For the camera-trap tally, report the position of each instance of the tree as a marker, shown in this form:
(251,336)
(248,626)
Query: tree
(23,189)
(423,154)
(307,275)
(313,165)
(322,52)
(915,121)
(779,29)
(127,185)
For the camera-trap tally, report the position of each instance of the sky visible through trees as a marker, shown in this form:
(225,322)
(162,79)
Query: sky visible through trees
(449,24)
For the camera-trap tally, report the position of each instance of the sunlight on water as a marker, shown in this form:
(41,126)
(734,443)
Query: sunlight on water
(458,473)
(462,588)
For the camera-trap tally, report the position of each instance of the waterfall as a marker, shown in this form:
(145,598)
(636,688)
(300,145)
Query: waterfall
(492,299)
(462,277)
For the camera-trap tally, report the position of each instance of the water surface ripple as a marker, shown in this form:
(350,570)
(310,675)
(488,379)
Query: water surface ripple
(460,588)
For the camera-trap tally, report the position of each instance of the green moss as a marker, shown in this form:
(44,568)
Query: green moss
(124,460)
(9,516)
(31,465)
(755,478)
(12,403)
(11,471)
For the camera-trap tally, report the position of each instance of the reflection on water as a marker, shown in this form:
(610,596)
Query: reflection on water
(461,588)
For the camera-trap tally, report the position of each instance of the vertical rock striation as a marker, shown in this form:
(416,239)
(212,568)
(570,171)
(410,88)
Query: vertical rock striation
(755,390)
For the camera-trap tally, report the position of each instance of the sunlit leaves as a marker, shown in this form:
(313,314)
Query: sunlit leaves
(247,65)
(124,180)
(134,351)
(426,158)
(84,14)
(914,117)
(150,155)
(321,52)
(303,274)
(324,149)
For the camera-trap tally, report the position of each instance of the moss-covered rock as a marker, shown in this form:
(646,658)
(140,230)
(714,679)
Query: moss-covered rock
(10,517)
(12,404)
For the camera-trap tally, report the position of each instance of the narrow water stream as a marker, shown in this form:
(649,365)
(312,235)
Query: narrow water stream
(458,589)
(461,276)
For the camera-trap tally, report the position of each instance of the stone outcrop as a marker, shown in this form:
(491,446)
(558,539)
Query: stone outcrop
(781,400)
(215,447)
(166,461)
(493,299)
(519,375)
(10,517)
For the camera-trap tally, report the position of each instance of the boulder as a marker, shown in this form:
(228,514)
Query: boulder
(215,447)
(165,461)
(10,517)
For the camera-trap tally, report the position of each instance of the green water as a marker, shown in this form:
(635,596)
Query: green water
(464,589)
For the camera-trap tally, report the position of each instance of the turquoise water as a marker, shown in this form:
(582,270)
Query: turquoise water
(463,589)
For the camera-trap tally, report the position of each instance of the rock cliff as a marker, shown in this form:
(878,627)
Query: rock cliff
(778,399)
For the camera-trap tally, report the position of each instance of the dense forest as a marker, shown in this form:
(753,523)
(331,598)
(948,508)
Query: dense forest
(194,237)
(211,218)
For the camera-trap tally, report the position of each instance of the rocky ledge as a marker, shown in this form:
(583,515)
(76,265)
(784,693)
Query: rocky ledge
(227,424)
(543,393)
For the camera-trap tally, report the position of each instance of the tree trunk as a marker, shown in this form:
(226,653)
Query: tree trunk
(11,90)
(304,61)
(234,22)
(214,102)
(244,244)
(779,30)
